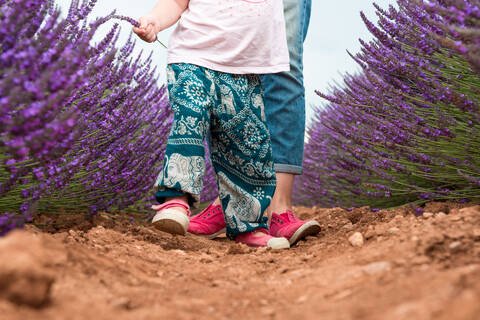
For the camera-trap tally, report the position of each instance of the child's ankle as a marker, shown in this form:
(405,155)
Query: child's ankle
(216,202)
(183,199)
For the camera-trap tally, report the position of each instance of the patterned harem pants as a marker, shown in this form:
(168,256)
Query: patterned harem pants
(230,109)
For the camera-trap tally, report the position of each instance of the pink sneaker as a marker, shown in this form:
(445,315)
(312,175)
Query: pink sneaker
(289,226)
(209,223)
(169,219)
(261,238)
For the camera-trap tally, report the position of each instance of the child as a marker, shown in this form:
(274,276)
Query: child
(215,56)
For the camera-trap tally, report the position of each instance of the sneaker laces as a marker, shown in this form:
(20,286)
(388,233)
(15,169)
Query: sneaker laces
(292,217)
(207,212)
(287,215)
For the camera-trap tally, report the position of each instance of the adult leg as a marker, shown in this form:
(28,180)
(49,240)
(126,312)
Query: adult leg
(285,106)
(282,198)
(285,112)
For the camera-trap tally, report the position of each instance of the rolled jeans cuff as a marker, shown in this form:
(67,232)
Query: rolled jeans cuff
(287,168)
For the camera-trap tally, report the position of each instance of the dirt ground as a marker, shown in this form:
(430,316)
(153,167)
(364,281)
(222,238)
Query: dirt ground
(407,268)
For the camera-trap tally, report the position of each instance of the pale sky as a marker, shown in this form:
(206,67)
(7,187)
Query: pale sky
(335,27)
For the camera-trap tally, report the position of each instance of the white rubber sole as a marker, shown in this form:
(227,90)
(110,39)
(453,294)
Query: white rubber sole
(171,221)
(278,243)
(309,228)
(209,236)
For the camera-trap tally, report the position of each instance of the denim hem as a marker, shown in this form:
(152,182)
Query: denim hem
(288,168)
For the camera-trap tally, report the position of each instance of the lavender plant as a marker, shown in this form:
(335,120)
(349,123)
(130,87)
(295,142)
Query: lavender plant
(406,129)
(82,126)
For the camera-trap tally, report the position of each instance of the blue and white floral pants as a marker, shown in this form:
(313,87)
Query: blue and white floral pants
(230,109)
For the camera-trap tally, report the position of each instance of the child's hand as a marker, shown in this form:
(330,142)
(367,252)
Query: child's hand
(148,29)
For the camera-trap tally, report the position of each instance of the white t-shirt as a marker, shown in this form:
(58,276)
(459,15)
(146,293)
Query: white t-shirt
(232,36)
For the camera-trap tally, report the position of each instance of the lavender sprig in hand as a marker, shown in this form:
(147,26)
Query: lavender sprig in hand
(134,23)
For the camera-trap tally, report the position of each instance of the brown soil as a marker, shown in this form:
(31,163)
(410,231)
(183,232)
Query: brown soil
(408,268)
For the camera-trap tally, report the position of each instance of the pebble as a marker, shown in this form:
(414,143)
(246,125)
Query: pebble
(122,303)
(455,218)
(380,230)
(342,295)
(377,267)
(370,233)
(427,215)
(179,252)
(356,239)
(441,217)
(349,226)
(393,230)
(455,246)
(476,234)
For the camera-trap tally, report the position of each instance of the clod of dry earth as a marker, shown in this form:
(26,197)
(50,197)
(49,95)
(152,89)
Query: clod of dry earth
(408,268)
(24,275)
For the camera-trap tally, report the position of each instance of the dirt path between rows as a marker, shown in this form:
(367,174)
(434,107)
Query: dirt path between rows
(408,268)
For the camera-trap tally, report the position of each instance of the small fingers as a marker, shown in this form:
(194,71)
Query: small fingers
(146,30)
(138,31)
(143,22)
(151,31)
(150,35)
(144,35)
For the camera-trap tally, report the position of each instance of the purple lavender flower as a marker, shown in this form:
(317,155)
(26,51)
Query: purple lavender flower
(72,134)
(405,129)
(418,211)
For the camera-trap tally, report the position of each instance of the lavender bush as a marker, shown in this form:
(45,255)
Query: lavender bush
(82,125)
(406,129)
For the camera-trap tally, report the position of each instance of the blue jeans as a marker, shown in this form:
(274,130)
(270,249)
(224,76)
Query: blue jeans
(285,94)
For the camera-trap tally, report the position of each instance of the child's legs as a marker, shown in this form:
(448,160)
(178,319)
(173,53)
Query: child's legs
(241,152)
(184,162)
